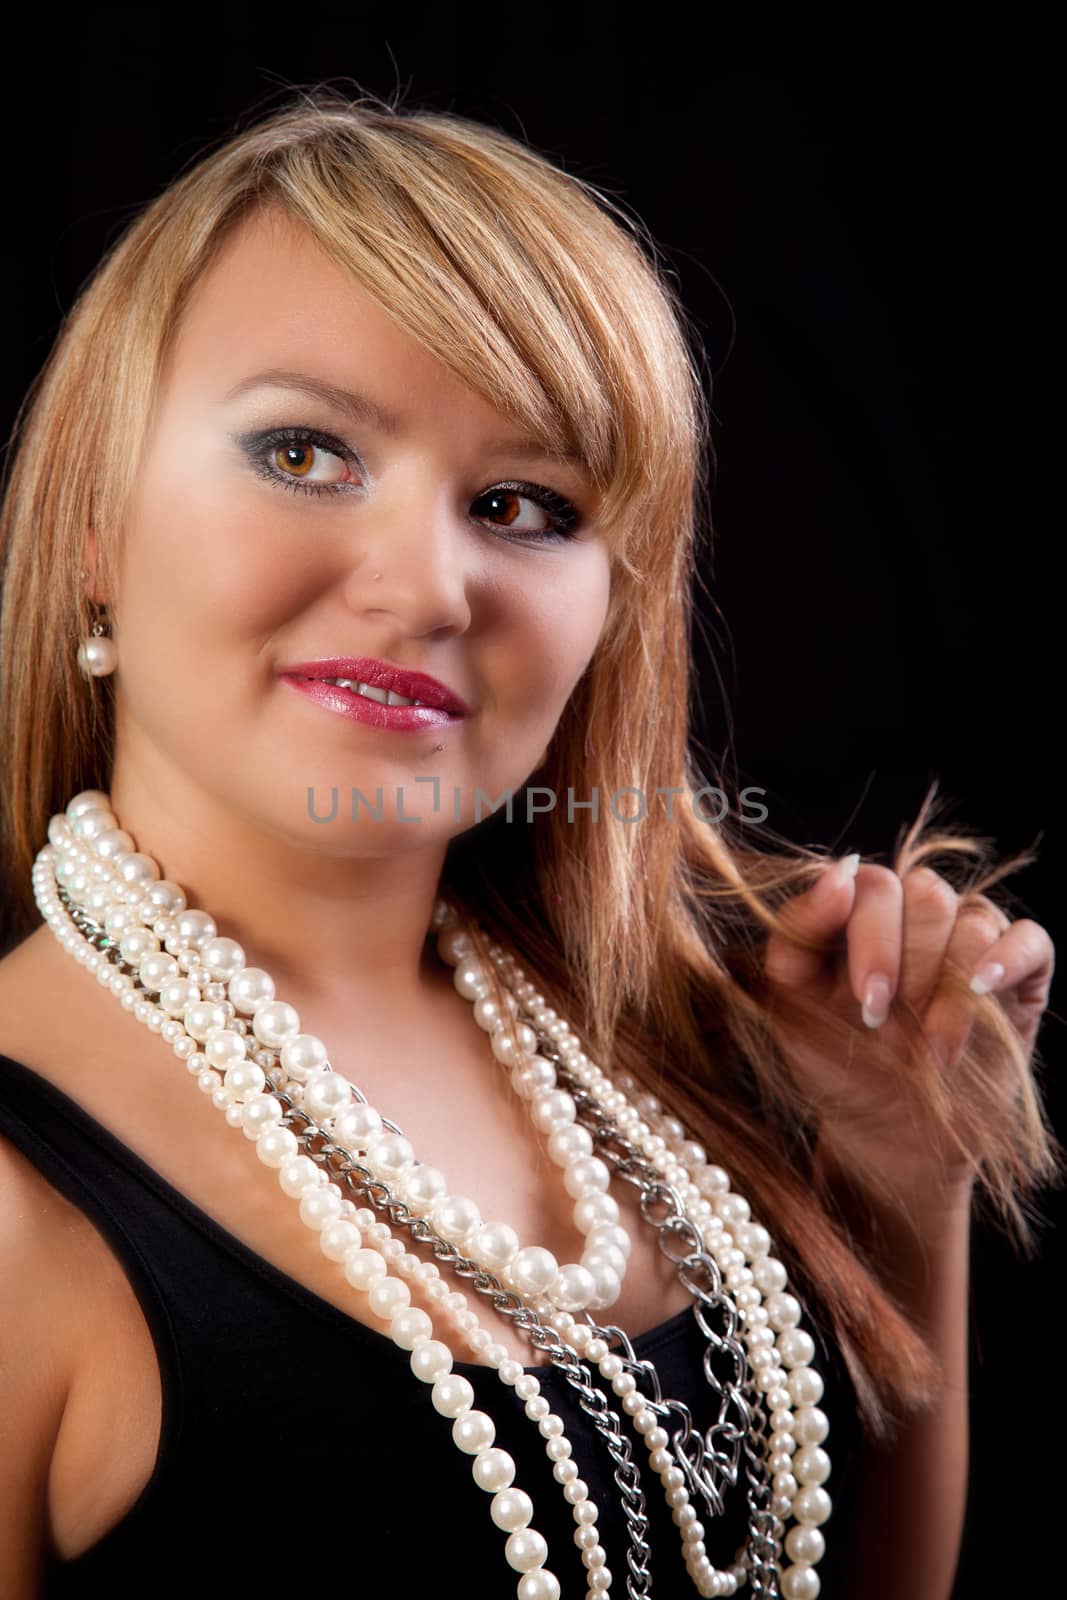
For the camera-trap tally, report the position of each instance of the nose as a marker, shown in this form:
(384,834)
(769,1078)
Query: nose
(413,558)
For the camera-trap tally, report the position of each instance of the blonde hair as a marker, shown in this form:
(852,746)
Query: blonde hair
(547,299)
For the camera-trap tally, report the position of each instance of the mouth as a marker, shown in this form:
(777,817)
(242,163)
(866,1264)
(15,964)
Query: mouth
(374,707)
(379,681)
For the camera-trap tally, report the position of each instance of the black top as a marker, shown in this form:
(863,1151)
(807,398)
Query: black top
(275,1402)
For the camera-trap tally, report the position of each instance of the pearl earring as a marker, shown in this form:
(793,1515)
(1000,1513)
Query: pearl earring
(97,655)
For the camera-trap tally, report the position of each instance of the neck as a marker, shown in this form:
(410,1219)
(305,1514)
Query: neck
(332,929)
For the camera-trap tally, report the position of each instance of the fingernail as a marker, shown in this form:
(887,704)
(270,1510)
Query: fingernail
(876,1000)
(834,877)
(987,977)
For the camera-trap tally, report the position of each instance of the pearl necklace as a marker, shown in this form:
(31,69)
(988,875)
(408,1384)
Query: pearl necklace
(98,868)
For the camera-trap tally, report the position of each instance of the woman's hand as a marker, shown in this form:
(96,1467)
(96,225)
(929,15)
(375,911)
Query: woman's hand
(898,936)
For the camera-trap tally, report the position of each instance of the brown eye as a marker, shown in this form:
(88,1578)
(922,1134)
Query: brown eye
(302,460)
(554,516)
(288,457)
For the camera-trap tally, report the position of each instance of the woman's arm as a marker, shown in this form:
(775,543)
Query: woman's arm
(911,1495)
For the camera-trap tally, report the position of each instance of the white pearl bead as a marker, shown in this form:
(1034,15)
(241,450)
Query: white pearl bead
(204,1018)
(409,1327)
(452,1396)
(568,1142)
(812,1504)
(112,842)
(389,1296)
(553,1109)
(339,1235)
(355,1125)
(811,1464)
(539,1585)
(249,988)
(768,1275)
(136,944)
(389,1154)
(261,1112)
(431,1362)
(473,1431)
(593,1209)
(245,1079)
(223,958)
(301,1054)
(783,1311)
(275,1023)
(805,1386)
(796,1347)
(805,1544)
(811,1425)
(469,979)
(534,1270)
(493,1245)
(574,1288)
(455,1216)
(364,1267)
(295,1175)
(525,1549)
(492,1469)
(486,1013)
(511,1509)
(320,1205)
(607,1281)
(504,1050)
(800,1583)
(586,1174)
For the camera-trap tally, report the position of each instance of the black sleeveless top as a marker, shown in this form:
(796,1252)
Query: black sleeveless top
(297,1445)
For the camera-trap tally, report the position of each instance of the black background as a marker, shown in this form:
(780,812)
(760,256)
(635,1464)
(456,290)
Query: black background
(861,225)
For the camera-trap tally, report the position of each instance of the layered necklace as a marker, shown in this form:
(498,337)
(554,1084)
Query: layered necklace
(361,1187)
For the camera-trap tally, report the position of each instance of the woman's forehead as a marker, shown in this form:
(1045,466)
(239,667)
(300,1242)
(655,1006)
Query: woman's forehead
(274,311)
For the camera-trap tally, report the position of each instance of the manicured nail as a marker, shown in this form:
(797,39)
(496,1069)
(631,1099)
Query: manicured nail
(834,877)
(987,977)
(876,1000)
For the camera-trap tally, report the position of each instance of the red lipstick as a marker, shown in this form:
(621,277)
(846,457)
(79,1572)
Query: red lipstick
(439,704)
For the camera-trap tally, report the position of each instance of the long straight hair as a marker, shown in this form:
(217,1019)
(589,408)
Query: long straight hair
(543,295)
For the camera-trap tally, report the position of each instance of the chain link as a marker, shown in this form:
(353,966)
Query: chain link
(707,1466)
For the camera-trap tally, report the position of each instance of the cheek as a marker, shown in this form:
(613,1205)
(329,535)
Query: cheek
(558,615)
(206,561)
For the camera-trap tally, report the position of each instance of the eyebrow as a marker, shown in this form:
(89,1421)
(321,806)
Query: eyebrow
(361,408)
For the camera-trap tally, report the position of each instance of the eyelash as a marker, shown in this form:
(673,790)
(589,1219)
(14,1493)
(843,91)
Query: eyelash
(565,517)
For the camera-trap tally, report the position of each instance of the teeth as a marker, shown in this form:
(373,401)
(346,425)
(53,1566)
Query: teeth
(370,691)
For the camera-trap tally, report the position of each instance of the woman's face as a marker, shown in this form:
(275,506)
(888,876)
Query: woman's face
(275,527)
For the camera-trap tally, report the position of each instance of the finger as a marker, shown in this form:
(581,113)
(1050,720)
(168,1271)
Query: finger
(931,906)
(1021,959)
(975,946)
(817,914)
(875,933)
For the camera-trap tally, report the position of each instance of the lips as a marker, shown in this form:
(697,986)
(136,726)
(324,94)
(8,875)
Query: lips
(382,675)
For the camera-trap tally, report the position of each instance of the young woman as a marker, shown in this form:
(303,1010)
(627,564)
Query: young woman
(609,1226)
